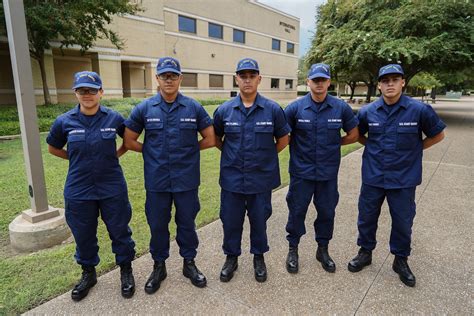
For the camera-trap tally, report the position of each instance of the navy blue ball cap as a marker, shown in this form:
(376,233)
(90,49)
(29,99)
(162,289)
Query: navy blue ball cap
(168,64)
(319,70)
(247,64)
(88,79)
(390,69)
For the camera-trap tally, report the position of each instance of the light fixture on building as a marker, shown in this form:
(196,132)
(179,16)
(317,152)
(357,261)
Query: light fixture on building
(213,55)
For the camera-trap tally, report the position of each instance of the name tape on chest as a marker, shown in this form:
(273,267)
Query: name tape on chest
(108,129)
(153,119)
(304,121)
(408,124)
(264,123)
(374,124)
(334,120)
(77,131)
(193,120)
(232,124)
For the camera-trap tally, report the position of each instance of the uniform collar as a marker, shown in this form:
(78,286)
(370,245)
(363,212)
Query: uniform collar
(158,99)
(403,102)
(259,101)
(310,103)
(77,109)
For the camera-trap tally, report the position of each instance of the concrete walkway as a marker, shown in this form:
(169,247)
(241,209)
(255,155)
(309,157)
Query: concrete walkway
(441,257)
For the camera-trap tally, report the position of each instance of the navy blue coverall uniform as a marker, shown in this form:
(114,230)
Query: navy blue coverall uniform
(315,156)
(249,168)
(392,167)
(95,182)
(171,165)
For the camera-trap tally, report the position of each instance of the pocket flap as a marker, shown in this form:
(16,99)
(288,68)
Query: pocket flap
(154,125)
(407,129)
(264,129)
(335,125)
(76,138)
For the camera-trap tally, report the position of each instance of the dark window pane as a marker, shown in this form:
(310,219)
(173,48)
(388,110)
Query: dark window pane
(275,44)
(215,30)
(187,24)
(239,36)
(288,84)
(290,48)
(216,81)
(189,80)
(275,83)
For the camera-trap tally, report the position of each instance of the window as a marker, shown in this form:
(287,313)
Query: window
(290,48)
(275,83)
(187,24)
(215,30)
(275,44)
(235,85)
(288,84)
(239,36)
(216,81)
(189,80)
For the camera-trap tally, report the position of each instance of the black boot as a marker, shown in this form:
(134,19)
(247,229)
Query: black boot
(127,280)
(88,280)
(322,255)
(292,260)
(230,265)
(192,272)
(400,266)
(363,259)
(159,274)
(260,268)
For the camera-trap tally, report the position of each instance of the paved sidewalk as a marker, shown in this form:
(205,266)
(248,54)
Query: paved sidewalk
(441,257)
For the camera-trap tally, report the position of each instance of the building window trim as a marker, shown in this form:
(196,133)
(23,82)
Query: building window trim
(185,80)
(275,83)
(181,27)
(292,51)
(215,25)
(276,44)
(217,77)
(237,31)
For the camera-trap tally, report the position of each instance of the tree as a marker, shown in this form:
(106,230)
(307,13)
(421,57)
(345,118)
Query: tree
(358,37)
(71,22)
(424,81)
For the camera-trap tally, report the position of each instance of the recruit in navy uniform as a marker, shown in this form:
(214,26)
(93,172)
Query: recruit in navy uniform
(391,167)
(250,130)
(95,183)
(316,121)
(171,164)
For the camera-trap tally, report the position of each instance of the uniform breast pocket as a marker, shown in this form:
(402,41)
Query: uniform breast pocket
(264,137)
(232,132)
(375,132)
(187,134)
(108,142)
(76,142)
(334,133)
(154,132)
(407,137)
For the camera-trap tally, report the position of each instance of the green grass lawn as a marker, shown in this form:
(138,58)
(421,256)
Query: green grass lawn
(28,280)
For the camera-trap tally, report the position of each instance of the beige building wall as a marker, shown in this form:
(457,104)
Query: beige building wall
(154,32)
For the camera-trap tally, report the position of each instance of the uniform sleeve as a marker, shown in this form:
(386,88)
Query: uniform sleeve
(290,115)
(363,124)
(203,119)
(120,125)
(431,124)
(281,127)
(349,120)
(135,121)
(57,137)
(217,121)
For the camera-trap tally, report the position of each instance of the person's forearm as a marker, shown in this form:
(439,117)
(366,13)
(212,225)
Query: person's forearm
(122,150)
(134,145)
(430,141)
(207,142)
(349,139)
(362,139)
(218,141)
(61,153)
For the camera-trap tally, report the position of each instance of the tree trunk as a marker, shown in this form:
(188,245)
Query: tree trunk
(370,91)
(352,86)
(47,97)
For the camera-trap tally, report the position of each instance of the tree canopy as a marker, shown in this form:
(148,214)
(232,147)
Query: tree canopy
(70,22)
(358,37)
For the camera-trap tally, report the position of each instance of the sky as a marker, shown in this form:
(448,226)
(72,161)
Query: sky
(303,9)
